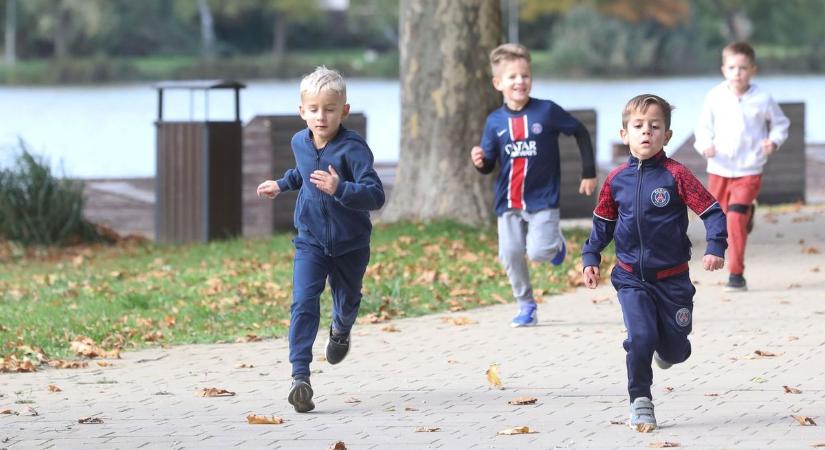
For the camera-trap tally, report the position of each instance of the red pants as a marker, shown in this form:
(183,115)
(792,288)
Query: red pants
(735,196)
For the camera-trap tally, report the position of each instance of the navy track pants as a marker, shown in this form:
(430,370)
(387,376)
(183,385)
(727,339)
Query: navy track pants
(312,269)
(658,316)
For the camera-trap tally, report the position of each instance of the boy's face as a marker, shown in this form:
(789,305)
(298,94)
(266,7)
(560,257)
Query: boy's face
(514,81)
(738,69)
(323,113)
(645,132)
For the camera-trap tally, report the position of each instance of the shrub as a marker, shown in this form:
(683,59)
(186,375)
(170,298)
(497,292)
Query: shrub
(37,208)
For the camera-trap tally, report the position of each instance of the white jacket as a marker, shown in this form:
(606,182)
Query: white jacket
(736,127)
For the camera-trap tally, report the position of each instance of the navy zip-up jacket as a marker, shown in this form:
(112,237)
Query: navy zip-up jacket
(340,223)
(643,206)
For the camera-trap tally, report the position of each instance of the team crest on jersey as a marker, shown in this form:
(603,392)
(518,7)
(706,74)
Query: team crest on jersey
(536,128)
(683,317)
(660,197)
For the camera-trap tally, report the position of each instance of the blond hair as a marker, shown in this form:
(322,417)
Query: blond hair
(641,103)
(508,52)
(323,78)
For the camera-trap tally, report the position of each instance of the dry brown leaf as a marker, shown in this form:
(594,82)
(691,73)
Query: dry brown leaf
(104,363)
(249,338)
(791,390)
(523,401)
(8,411)
(493,377)
(53,388)
(764,353)
(12,364)
(214,392)
(390,328)
(243,366)
(85,346)
(515,430)
(812,250)
(67,364)
(452,361)
(427,429)
(818,445)
(264,420)
(352,400)
(90,420)
(500,299)
(338,446)
(668,389)
(805,421)
(793,338)
(711,394)
(458,320)
(410,408)
(664,444)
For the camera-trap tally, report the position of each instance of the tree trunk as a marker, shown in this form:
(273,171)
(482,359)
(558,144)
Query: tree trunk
(11,33)
(446,95)
(279,35)
(207,30)
(61,32)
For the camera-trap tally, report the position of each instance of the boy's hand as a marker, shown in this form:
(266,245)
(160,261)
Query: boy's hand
(709,152)
(268,189)
(326,182)
(591,276)
(768,147)
(713,262)
(587,186)
(477,155)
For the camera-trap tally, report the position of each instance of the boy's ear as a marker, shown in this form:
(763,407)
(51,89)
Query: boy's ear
(623,135)
(668,135)
(497,83)
(345,112)
(301,110)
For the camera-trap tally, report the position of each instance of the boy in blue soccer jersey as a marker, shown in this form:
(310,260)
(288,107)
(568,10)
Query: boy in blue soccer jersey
(338,186)
(523,137)
(643,206)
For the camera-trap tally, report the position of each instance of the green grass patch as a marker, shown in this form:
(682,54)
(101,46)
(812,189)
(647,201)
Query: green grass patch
(131,296)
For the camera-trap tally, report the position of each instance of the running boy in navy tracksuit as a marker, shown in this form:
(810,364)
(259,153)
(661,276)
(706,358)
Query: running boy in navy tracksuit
(643,207)
(523,137)
(333,222)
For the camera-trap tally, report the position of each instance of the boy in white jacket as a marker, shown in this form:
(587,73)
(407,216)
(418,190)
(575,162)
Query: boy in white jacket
(740,126)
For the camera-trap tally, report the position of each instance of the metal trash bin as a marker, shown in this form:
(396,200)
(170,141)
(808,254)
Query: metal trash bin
(198,177)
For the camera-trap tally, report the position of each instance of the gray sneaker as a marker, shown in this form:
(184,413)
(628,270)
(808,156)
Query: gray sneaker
(300,395)
(664,365)
(642,418)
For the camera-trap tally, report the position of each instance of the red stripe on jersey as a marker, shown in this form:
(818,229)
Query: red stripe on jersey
(516,189)
(518,128)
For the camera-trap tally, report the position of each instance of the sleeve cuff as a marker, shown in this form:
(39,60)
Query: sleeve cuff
(339,191)
(591,259)
(716,249)
(282,185)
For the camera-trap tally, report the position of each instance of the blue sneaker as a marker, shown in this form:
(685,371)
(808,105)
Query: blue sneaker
(526,317)
(561,254)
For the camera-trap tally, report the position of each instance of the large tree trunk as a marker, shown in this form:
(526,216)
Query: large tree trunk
(446,95)
(11,32)
(207,30)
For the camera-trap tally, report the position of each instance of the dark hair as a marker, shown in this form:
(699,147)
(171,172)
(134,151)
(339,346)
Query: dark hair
(641,103)
(739,48)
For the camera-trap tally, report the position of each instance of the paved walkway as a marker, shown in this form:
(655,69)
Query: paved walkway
(432,374)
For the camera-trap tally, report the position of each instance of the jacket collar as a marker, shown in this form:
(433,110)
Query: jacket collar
(653,161)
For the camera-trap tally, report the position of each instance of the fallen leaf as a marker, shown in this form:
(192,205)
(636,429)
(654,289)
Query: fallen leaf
(515,430)
(458,320)
(599,300)
(53,388)
(791,390)
(248,338)
(452,361)
(352,400)
(104,363)
(85,346)
(764,353)
(493,377)
(805,421)
(711,394)
(410,408)
(243,366)
(8,411)
(818,445)
(793,338)
(264,420)
(812,250)
(523,401)
(338,446)
(67,364)
(390,328)
(427,429)
(758,380)
(664,444)
(214,392)
(668,389)
(90,420)
(618,422)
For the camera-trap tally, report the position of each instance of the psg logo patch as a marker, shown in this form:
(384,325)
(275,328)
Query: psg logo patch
(660,197)
(536,128)
(683,317)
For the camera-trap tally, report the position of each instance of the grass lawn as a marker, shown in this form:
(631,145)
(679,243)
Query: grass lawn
(132,296)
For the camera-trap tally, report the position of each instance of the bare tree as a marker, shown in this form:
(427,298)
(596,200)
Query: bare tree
(446,95)
(207,30)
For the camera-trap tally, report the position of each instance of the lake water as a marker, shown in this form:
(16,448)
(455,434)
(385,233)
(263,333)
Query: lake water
(100,132)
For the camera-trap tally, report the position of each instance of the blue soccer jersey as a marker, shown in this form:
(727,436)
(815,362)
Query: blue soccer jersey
(526,145)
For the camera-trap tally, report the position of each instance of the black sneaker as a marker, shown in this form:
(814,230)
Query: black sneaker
(300,395)
(337,347)
(736,283)
(749,226)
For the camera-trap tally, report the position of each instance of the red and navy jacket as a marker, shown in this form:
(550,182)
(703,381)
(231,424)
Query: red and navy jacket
(526,144)
(643,206)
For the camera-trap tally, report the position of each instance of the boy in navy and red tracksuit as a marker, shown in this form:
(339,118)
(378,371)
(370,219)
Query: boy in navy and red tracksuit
(338,186)
(523,137)
(643,207)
